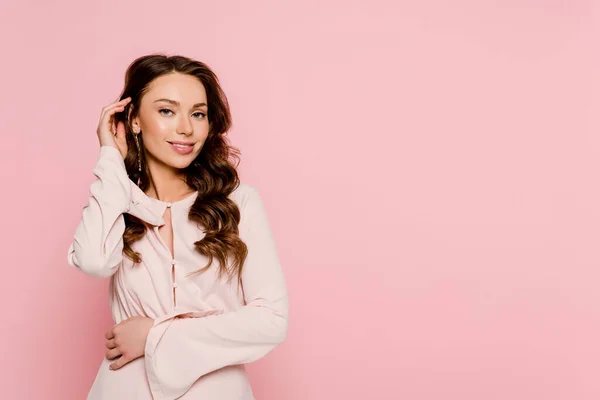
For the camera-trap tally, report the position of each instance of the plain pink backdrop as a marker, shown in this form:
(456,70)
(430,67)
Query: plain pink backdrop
(430,168)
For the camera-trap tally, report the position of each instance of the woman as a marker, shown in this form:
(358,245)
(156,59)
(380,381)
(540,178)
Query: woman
(196,289)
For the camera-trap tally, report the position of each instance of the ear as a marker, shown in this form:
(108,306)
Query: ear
(134,122)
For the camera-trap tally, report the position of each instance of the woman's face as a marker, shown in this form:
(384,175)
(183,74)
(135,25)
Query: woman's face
(173,120)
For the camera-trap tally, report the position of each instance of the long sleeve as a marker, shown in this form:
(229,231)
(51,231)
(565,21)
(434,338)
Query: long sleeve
(97,245)
(181,350)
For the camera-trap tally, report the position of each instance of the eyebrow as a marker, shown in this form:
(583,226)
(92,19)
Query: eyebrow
(176,103)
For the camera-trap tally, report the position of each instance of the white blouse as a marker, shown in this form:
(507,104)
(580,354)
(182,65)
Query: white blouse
(205,328)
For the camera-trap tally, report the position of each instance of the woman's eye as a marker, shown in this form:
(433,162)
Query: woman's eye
(166,110)
(199,114)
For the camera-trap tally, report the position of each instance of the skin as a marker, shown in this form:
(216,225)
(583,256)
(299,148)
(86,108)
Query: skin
(184,118)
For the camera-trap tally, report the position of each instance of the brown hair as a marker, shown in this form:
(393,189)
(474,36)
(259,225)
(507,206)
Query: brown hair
(213,173)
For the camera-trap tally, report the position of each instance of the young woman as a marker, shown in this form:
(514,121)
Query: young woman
(196,288)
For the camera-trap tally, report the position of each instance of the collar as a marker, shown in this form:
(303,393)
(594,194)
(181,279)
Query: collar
(151,210)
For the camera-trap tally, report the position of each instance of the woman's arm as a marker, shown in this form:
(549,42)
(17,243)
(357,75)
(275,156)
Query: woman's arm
(98,241)
(181,350)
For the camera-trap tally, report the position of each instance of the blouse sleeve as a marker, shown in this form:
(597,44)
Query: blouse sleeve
(97,245)
(181,350)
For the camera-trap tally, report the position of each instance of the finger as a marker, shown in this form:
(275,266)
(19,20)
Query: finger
(118,104)
(111,344)
(117,127)
(120,130)
(107,116)
(117,101)
(123,102)
(112,354)
(119,363)
(108,111)
(109,335)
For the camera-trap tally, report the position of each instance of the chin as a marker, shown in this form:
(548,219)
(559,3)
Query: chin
(181,163)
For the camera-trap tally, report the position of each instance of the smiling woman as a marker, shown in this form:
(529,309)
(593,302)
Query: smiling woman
(196,288)
(173,111)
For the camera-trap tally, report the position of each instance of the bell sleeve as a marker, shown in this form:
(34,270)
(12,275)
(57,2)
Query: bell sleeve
(97,244)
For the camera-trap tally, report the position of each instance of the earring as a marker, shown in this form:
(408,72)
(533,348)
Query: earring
(139,158)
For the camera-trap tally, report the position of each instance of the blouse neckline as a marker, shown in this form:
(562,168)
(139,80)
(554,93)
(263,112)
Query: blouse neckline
(189,199)
(150,209)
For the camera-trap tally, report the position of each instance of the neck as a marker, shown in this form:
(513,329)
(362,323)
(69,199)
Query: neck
(167,184)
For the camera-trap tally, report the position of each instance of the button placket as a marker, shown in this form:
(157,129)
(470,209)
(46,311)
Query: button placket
(173,262)
(173,275)
(174,280)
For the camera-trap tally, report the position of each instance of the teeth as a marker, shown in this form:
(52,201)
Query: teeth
(182,145)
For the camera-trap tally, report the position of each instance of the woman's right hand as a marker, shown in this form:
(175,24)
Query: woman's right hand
(109,133)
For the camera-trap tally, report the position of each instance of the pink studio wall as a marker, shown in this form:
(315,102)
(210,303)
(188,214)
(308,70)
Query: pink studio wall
(430,169)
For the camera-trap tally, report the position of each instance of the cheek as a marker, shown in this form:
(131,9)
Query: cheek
(202,128)
(155,127)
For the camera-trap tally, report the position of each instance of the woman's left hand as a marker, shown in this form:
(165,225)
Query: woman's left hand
(127,340)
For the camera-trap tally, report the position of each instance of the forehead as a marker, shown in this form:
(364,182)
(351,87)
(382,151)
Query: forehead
(175,86)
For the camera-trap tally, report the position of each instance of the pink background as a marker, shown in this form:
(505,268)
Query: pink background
(430,169)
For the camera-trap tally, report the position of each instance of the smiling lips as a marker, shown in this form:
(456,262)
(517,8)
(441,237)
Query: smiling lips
(182,147)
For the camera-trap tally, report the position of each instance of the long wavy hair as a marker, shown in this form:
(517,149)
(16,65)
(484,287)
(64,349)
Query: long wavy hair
(213,173)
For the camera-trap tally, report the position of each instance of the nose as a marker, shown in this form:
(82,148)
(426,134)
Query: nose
(185,127)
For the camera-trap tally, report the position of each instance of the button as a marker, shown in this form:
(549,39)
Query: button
(173,262)
(169,205)
(175,285)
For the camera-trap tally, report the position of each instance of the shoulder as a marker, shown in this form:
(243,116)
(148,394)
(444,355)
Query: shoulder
(244,194)
(250,204)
